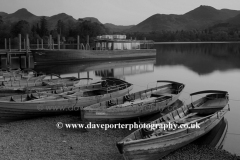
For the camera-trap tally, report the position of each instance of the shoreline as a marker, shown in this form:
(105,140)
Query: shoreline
(40,139)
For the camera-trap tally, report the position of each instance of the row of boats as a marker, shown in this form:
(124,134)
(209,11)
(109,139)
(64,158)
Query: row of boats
(110,100)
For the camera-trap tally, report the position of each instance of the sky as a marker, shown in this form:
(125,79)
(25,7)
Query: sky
(118,12)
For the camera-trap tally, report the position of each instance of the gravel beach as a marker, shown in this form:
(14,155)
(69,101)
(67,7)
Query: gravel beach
(40,139)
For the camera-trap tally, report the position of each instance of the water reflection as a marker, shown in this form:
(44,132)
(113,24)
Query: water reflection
(216,137)
(117,69)
(203,58)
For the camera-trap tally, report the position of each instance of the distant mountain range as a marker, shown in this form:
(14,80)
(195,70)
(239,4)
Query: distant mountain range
(199,18)
(24,14)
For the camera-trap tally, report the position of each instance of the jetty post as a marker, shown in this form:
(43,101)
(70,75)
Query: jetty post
(78,41)
(5,43)
(24,44)
(87,74)
(144,44)
(42,43)
(50,41)
(53,43)
(37,44)
(10,44)
(87,46)
(27,59)
(19,43)
(8,53)
(59,42)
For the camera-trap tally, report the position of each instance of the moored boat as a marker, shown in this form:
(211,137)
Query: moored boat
(71,56)
(42,103)
(29,83)
(134,105)
(158,141)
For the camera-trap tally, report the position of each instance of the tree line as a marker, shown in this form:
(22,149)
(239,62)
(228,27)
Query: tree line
(214,33)
(68,31)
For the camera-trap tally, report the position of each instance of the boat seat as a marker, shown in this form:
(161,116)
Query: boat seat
(184,108)
(33,97)
(110,103)
(156,95)
(170,117)
(175,115)
(30,97)
(11,99)
(166,119)
(180,112)
(127,98)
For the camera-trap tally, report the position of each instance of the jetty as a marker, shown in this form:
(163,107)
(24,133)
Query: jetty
(105,47)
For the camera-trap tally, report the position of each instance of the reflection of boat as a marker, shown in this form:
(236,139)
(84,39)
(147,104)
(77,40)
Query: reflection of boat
(216,56)
(216,136)
(135,105)
(156,142)
(93,66)
(40,104)
(126,70)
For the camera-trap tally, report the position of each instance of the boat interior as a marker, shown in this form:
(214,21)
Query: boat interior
(95,89)
(182,115)
(148,96)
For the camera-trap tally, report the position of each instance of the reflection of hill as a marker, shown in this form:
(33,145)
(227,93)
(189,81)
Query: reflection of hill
(113,69)
(202,58)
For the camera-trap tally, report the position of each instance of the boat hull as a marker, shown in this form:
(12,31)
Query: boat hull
(111,117)
(24,110)
(158,148)
(71,56)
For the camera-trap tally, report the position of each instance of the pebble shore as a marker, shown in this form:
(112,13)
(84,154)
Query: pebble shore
(39,139)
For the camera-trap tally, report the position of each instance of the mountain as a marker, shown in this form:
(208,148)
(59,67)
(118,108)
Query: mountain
(207,13)
(160,22)
(235,20)
(21,14)
(199,18)
(117,28)
(91,19)
(52,21)
(3,14)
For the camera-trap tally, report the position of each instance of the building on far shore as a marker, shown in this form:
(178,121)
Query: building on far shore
(119,42)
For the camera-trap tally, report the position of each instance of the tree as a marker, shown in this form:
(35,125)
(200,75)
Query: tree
(21,27)
(60,27)
(1,21)
(43,27)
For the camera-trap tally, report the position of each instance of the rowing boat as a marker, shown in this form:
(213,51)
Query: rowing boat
(155,142)
(28,83)
(134,105)
(73,100)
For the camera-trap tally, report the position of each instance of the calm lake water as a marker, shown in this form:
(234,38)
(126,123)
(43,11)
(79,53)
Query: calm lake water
(200,66)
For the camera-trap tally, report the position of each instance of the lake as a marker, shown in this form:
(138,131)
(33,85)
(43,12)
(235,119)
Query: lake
(200,66)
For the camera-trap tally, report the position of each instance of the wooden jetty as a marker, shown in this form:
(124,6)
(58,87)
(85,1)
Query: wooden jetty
(106,47)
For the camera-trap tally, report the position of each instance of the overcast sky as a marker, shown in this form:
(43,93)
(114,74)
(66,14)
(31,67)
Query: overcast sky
(119,12)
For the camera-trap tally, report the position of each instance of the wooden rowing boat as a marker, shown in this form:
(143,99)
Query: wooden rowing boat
(42,103)
(39,83)
(134,105)
(155,143)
